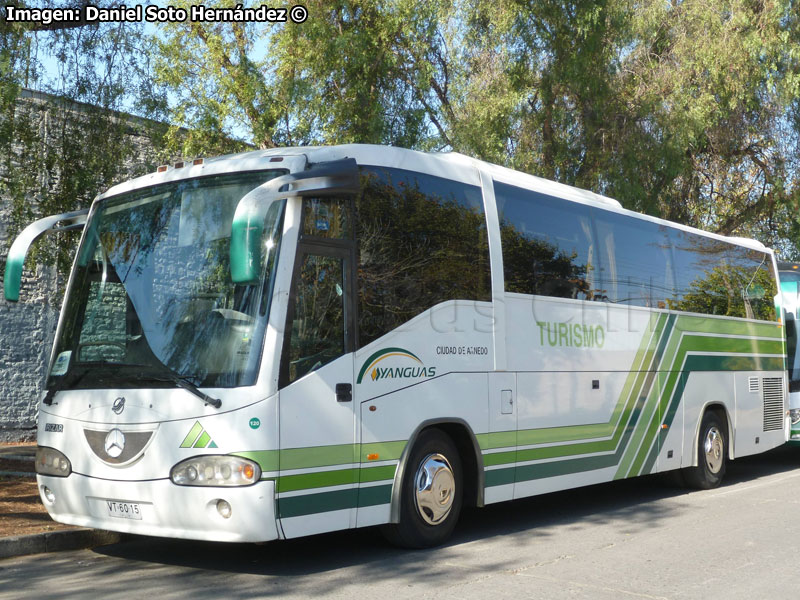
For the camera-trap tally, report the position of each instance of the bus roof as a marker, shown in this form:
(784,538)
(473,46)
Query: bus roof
(450,165)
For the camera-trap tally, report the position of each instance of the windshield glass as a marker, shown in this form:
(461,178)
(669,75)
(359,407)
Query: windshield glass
(152,289)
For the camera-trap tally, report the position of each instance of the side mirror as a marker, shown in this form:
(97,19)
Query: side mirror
(332,178)
(12,279)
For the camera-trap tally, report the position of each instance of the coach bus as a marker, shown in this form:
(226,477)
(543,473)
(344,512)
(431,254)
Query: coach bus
(789,274)
(299,340)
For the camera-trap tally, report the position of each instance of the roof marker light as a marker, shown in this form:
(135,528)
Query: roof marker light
(162,168)
(197,161)
(276,159)
(179,164)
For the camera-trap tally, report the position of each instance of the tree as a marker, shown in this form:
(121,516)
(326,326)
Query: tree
(55,156)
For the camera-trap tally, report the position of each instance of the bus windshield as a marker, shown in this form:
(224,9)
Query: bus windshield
(152,290)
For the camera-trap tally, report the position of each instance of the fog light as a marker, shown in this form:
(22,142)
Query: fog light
(48,494)
(224,509)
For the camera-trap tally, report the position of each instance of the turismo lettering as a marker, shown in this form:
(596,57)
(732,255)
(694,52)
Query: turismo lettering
(571,335)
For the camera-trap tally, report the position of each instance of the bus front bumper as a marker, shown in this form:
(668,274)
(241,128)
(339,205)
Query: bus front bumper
(161,508)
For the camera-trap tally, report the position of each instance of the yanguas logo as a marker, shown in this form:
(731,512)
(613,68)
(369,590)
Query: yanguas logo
(394,363)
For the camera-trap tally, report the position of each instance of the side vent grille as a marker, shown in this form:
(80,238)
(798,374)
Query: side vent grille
(752,384)
(773,403)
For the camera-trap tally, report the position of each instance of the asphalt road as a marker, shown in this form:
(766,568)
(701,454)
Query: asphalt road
(642,538)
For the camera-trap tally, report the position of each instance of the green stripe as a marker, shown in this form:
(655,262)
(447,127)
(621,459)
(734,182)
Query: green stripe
(730,327)
(303,481)
(703,363)
(318,456)
(632,404)
(292,483)
(638,432)
(298,506)
(651,390)
(694,343)
(620,413)
(323,456)
(371,474)
(202,441)
(375,495)
(384,450)
(624,426)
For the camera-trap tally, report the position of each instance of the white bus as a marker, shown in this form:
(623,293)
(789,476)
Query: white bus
(789,274)
(293,341)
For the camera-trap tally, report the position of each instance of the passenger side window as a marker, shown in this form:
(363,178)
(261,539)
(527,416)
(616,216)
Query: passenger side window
(716,278)
(548,244)
(636,257)
(422,240)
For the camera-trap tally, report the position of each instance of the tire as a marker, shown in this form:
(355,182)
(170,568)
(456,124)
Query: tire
(431,495)
(712,454)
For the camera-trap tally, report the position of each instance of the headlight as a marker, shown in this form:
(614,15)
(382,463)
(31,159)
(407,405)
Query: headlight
(216,471)
(794,415)
(50,461)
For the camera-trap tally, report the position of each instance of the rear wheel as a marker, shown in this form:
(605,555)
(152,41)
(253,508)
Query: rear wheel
(431,494)
(712,453)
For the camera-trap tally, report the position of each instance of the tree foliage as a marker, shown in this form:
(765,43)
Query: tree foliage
(689,110)
(57,152)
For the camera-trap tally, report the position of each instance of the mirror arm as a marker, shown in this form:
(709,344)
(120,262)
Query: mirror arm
(12,278)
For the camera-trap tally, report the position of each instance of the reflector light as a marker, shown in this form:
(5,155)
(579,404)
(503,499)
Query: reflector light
(373,456)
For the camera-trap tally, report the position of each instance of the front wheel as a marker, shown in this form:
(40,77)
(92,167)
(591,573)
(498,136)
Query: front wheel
(712,452)
(431,494)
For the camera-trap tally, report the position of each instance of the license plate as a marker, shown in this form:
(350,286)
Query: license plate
(124,510)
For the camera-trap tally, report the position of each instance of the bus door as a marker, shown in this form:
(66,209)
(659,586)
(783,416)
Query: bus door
(317,485)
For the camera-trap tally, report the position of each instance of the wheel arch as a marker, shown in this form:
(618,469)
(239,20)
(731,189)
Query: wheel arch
(468,449)
(723,413)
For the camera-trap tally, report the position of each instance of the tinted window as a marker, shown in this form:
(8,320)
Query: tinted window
(327,218)
(548,246)
(318,315)
(636,261)
(422,240)
(716,278)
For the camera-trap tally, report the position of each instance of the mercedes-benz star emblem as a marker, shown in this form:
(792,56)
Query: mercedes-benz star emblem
(119,405)
(115,443)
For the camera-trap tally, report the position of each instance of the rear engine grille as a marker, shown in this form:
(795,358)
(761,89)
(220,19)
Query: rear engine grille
(772,393)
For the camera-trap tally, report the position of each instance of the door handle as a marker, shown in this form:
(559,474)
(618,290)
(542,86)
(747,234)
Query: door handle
(344,392)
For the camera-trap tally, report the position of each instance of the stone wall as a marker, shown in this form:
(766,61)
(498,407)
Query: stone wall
(27,327)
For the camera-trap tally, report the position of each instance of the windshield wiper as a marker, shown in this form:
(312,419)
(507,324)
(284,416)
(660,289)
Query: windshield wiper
(184,383)
(67,380)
